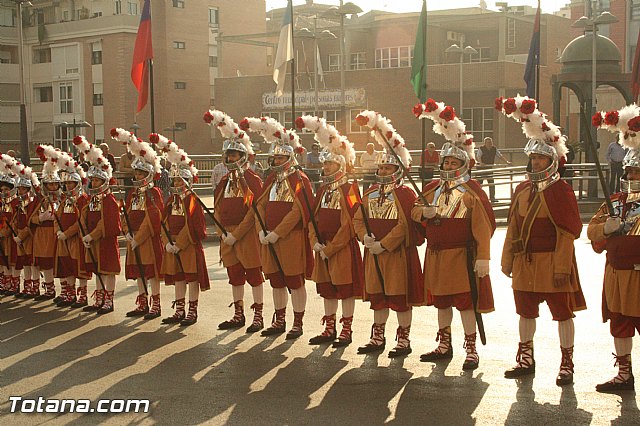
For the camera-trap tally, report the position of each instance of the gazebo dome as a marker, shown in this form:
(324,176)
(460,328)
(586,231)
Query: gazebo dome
(576,57)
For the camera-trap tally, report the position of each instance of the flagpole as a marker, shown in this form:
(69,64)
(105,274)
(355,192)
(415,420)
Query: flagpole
(538,58)
(293,71)
(153,109)
(424,123)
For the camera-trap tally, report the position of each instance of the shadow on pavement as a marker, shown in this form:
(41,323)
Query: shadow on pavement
(526,408)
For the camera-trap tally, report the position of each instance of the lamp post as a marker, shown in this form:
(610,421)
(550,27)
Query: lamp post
(74,126)
(344,9)
(24,137)
(455,49)
(173,131)
(134,128)
(589,23)
(324,34)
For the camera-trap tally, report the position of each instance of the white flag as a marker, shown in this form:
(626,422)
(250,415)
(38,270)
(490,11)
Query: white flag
(319,69)
(285,51)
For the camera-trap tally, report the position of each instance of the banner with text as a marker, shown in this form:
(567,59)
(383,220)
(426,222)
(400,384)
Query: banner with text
(305,100)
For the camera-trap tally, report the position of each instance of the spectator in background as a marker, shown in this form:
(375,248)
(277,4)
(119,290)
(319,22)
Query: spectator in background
(164,183)
(313,158)
(126,171)
(82,162)
(369,159)
(430,161)
(218,173)
(615,155)
(11,153)
(486,158)
(105,150)
(369,163)
(301,157)
(256,166)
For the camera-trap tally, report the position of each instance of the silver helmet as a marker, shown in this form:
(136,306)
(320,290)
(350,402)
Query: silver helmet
(631,159)
(100,173)
(238,146)
(451,150)
(50,176)
(281,149)
(145,167)
(537,146)
(396,176)
(24,182)
(68,176)
(185,174)
(10,181)
(326,155)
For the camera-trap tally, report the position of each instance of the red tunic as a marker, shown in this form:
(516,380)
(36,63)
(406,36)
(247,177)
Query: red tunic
(104,227)
(9,254)
(150,250)
(190,241)
(25,229)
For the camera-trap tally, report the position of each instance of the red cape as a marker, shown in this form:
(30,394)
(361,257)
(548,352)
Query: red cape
(562,205)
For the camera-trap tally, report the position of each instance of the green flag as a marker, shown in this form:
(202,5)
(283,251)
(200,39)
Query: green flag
(419,61)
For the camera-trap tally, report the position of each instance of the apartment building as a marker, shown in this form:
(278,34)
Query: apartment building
(77,66)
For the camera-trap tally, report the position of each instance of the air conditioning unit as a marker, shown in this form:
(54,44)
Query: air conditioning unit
(453,36)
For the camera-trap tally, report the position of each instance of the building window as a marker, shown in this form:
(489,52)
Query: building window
(118,8)
(7,17)
(96,57)
(61,136)
(511,33)
(178,3)
(42,56)
(65,15)
(273,114)
(213,61)
(353,126)
(180,85)
(334,62)
(635,9)
(43,94)
(479,121)
(66,98)
(332,117)
(358,61)
(132,8)
(178,45)
(214,17)
(394,57)
(180,125)
(97,94)
(483,55)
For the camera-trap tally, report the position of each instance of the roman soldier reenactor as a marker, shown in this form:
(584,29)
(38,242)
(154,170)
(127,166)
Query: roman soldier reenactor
(538,250)
(459,223)
(9,275)
(393,277)
(183,219)
(338,270)
(44,236)
(69,261)
(240,248)
(282,223)
(618,233)
(28,186)
(143,213)
(100,227)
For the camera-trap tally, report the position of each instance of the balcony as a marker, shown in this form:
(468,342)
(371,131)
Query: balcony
(10,73)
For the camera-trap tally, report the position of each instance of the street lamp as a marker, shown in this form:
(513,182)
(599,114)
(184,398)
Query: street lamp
(134,128)
(455,49)
(74,126)
(324,34)
(173,131)
(589,23)
(344,9)
(24,137)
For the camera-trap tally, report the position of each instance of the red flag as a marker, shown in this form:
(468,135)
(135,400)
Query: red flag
(635,75)
(142,52)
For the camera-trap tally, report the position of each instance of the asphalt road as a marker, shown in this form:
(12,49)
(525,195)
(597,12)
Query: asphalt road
(201,375)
